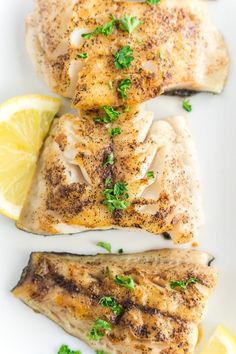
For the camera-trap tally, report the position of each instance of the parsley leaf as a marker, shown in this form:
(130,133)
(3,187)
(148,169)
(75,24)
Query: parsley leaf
(115,131)
(82,55)
(123,87)
(129,23)
(108,181)
(183,283)
(108,301)
(124,57)
(187,106)
(161,55)
(120,251)
(98,330)
(101,352)
(116,197)
(106,29)
(153,2)
(106,246)
(64,349)
(109,160)
(150,175)
(110,84)
(111,115)
(126,282)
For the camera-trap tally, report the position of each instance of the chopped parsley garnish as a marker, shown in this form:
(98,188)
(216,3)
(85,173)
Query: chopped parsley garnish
(115,131)
(66,350)
(106,29)
(124,57)
(108,181)
(110,83)
(129,23)
(106,246)
(126,109)
(183,284)
(187,106)
(153,2)
(150,175)
(161,55)
(126,282)
(101,352)
(116,197)
(98,330)
(124,85)
(109,160)
(139,40)
(111,115)
(120,251)
(82,55)
(108,301)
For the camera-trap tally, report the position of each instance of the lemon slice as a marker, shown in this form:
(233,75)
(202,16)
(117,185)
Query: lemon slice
(24,124)
(221,342)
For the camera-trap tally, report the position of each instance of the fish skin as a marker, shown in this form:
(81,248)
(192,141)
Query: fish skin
(67,192)
(195,57)
(156,319)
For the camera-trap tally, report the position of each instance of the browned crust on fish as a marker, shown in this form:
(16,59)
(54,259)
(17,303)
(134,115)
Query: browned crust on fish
(194,53)
(155,318)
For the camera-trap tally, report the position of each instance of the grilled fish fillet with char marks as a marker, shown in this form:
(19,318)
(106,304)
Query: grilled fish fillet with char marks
(67,191)
(155,318)
(193,53)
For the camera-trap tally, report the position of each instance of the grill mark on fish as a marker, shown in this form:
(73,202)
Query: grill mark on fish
(71,288)
(68,288)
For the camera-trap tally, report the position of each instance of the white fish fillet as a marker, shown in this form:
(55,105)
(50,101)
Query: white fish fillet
(67,191)
(193,53)
(155,318)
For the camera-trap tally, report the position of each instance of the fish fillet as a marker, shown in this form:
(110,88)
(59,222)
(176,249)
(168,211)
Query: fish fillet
(153,318)
(193,53)
(67,195)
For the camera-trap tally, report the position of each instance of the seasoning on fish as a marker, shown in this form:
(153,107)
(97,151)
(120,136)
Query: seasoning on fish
(173,47)
(76,293)
(144,178)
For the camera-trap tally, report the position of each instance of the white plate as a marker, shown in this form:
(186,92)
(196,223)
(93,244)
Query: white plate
(214,126)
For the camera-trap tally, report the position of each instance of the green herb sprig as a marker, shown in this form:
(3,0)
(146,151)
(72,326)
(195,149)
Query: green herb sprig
(115,131)
(116,197)
(124,85)
(108,301)
(111,115)
(82,55)
(129,23)
(150,175)
(187,106)
(109,160)
(106,29)
(183,284)
(64,349)
(123,57)
(153,2)
(105,245)
(99,329)
(126,282)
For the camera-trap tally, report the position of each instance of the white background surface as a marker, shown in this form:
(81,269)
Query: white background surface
(214,127)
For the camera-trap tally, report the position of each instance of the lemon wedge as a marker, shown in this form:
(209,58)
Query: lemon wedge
(221,342)
(24,124)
